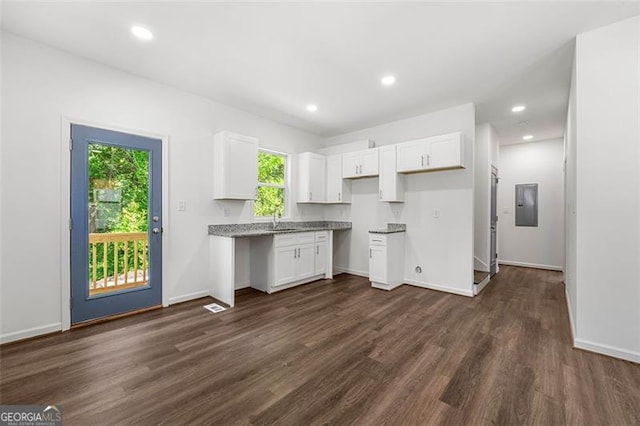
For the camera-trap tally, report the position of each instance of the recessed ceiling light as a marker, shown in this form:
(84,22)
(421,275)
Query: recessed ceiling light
(518,108)
(527,137)
(142,33)
(388,80)
(312,108)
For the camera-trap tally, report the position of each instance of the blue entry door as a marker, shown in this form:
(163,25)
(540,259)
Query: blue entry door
(116,223)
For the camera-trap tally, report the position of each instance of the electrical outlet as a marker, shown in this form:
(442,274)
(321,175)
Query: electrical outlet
(182,205)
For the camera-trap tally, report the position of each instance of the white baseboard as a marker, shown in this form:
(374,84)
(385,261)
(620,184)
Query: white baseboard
(479,265)
(340,270)
(607,350)
(30,332)
(571,323)
(189,296)
(468,293)
(531,265)
(477,288)
(240,286)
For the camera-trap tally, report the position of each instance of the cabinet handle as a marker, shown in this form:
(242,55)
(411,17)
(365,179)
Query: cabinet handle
(360,168)
(298,253)
(370,254)
(428,158)
(381,194)
(317,249)
(310,196)
(339,196)
(422,161)
(295,253)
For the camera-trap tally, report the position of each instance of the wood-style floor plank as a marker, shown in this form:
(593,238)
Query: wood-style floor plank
(333,352)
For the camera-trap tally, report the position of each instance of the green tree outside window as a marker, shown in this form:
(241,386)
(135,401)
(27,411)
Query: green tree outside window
(271,184)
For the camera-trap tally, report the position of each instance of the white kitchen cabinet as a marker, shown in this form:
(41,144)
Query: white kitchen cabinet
(235,166)
(430,154)
(360,164)
(386,260)
(338,189)
(321,252)
(312,181)
(285,265)
(290,259)
(391,184)
(306,261)
(377,264)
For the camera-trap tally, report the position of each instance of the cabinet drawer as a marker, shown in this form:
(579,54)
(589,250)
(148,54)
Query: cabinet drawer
(322,236)
(284,240)
(377,240)
(306,237)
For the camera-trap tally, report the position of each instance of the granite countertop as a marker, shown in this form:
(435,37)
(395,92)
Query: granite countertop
(391,228)
(259,229)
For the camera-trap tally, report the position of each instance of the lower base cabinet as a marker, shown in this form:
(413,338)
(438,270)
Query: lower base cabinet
(386,260)
(288,260)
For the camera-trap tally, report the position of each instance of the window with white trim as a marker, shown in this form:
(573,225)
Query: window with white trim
(272,184)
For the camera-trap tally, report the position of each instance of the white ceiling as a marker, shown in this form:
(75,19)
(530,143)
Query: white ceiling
(272,59)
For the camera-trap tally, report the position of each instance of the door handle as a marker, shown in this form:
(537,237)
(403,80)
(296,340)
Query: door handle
(156,230)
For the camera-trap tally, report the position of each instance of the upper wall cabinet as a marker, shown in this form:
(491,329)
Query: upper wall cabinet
(360,164)
(235,166)
(434,153)
(338,189)
(312,178)
(391,184)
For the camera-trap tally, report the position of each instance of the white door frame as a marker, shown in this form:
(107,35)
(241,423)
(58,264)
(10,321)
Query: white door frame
(65,207)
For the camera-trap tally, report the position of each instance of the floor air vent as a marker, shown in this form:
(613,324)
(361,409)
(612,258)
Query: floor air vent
(215,308)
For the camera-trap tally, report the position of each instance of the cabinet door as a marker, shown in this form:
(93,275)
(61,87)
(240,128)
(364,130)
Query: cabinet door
(318,177)
(378,264)
(391,184)
(285,265)
(334,179)
(369,162)
(351,165)
(445,152)
(411,156)
(321,258)
(242,167)
(306,265)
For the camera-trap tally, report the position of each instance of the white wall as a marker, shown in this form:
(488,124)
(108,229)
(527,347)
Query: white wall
(485,155)
(41,85)
(442,247)
(570,239)
(608,189)
(541,163)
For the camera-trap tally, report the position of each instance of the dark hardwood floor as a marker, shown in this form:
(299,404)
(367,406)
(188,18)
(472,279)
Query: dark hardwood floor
(333,352)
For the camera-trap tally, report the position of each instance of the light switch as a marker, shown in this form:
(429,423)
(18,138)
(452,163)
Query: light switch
(182,205)
(436,213)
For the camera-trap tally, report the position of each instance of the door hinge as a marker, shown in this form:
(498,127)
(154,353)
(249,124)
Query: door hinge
(70,224)
(70,144)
